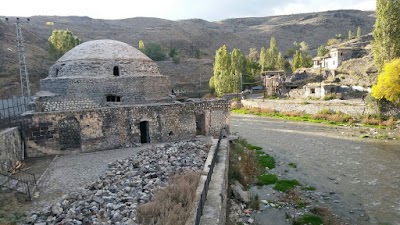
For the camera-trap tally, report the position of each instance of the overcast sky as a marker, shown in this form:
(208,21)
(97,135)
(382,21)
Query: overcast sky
(211,10)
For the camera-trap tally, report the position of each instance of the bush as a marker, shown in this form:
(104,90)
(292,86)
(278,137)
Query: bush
(173,204)
(155,52)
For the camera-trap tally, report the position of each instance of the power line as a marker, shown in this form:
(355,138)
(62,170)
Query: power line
(23,71)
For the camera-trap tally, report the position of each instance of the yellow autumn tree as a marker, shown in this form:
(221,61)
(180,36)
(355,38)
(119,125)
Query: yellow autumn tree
(388,85)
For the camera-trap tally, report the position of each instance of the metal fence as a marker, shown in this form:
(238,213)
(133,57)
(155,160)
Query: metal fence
(11,110)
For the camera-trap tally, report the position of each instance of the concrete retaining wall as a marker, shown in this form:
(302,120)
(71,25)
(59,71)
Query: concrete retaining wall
(310,107)
(10,148)
(215,207)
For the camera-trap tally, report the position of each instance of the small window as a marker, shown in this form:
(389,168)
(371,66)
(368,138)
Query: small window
(333,90)
(312,90)
(113,98)
(57,70)
(116,71)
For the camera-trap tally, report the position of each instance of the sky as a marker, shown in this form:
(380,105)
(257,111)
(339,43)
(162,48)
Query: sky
(211,10)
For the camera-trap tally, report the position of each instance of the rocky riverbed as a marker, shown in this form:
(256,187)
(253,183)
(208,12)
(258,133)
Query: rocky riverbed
(357,178)
(114,197)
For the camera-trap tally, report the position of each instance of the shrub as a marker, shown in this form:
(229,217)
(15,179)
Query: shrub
(173,204)
(155,52)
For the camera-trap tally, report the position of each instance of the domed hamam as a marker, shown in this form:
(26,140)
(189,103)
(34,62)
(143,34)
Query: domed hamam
(103,58)
(102,73)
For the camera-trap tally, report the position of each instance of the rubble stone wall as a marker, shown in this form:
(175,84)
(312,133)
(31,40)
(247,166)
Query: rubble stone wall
(82,93)
(10,148)
(116,127)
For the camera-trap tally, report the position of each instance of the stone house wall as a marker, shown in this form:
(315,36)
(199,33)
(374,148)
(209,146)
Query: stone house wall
(116,127)
(85,93)
(10,148)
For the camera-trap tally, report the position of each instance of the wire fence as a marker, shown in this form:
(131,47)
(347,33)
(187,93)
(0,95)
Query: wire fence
(11,110)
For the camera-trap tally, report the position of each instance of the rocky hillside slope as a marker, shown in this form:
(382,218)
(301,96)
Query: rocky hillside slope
(185,35)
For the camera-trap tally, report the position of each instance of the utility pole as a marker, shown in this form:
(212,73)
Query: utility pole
(23,72)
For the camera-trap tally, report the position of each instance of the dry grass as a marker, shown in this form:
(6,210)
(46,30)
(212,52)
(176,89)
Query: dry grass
(327,216)
(390,123)
(261,110)
(171,205)
(371,121)
(327,114)
(294,114)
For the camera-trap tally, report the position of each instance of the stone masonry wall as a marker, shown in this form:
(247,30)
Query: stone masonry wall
(116,127)
(10,148)
(84,93)
(310,108)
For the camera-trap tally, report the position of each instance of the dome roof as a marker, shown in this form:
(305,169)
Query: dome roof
(103,50)
(103,58)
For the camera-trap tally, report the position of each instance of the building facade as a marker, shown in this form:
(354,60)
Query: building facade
(105,94)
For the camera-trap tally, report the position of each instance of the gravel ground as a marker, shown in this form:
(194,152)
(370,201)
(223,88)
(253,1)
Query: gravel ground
(362,174)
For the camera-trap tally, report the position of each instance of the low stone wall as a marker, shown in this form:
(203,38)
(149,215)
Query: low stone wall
(310,107)
(10,148)
(215,207)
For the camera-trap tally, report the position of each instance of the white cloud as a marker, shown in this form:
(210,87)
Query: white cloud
(176,9)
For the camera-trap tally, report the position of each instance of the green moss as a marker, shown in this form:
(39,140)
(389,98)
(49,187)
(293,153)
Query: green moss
(285,185)
(267,179)
(266,161)
(308,220)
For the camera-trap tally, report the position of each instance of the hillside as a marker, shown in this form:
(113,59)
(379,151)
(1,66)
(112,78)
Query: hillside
(185,35)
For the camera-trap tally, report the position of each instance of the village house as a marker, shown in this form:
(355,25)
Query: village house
(333,59)
(274,82)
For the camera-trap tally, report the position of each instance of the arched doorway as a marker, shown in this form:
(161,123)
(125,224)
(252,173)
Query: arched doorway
(69,133)
(116,71)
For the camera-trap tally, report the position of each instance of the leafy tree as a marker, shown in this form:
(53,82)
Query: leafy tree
(358,32)
(236,68)
(386,45)
(253,55)
(62,41)
(141,46)
(273,52)
(303,46)
(220,81)
(263,58)
(280,63)
(388,85)
(173,52)
(332,41)
(197,53)
(350,35)
(296,60)
(322,50)
(155,52)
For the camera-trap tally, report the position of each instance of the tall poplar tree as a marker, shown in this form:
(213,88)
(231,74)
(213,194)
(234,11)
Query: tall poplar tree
(62,41)
(386,45)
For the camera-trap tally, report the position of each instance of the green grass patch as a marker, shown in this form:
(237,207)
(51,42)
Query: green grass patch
(309,188)
(253,147)
(285,185)
(308,220)
(266,161)
(267,179)
(293,165)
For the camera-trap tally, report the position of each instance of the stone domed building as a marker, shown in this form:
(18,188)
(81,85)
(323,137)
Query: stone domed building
(100,73)
(106,94)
